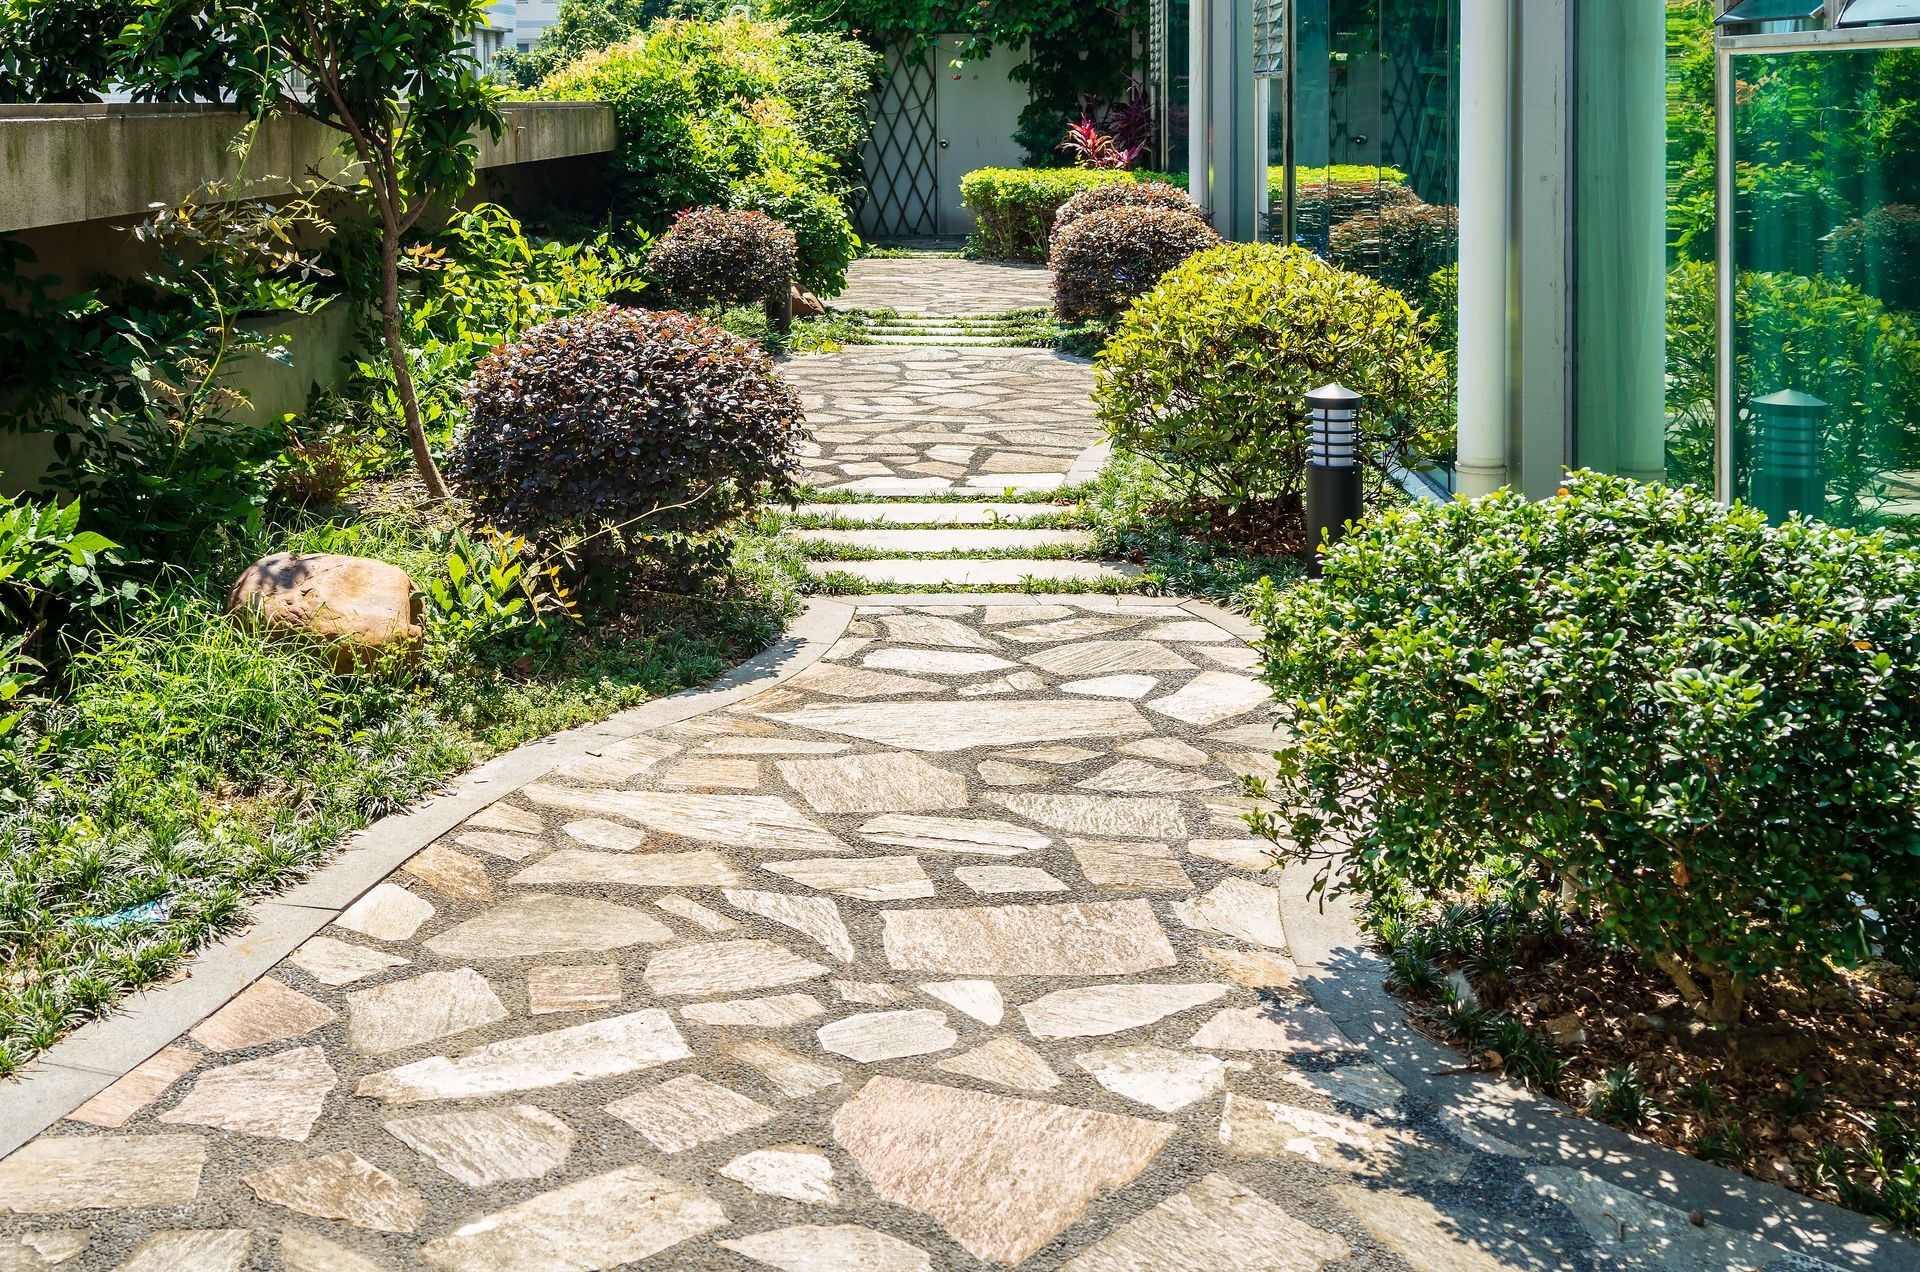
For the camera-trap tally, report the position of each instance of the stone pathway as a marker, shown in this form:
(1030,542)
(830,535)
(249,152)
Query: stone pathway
(941,285)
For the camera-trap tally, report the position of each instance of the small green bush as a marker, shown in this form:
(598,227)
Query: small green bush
(715,257)
(627,423)
(1015,207)
(1105,259)
(1700,727)
(824,239)
(1208,373)
(1151,194)
(1401,245)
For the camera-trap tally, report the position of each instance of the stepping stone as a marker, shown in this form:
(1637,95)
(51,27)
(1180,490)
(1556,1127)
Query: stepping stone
(891,781)
(1112,687)
(995,880)
(1135,866)
(1268,1130)
(342,1186)
(759,823)
(775,1012)
(1284,1031)
(1428,1238)
(1138,775)
(1365,1086)
(1099,938)
(925,514)
(1215,1225)
(702,869)
(265,1011)
(537,923)
(1157,1077)
(689,1111)
(1003,1176)
(944,540)
(1093,1010)
(1058,755)
(977,998)
(937,662)
(305,1252)
(1103,657)
(858,682)
(1005,1062)
(32,1251)
(930,629)
(139,1087)
(194,1250)
(596,832)
(1121,818)
(451,873)
(816,918)
(963,572)
(608,1220)
(333,962)
(792,1075)
(505,817)
(870,993)
(997,615)
(386,913)
(1165,750)
(512,847)
(1255,971)
(695,913)
(974,836)
(1212,696)
(275,1097)
(772,746)
(1242,854)
(710,774)
(887,1035)
(1232,657)
(581,1053)
(618,762)
(403,1014)
(862,878)
(1240,909)
(726,967)
(1018,682)
(579,987)
(1001,773)
(55,1175)
(484,1147)
(963,726)
(1066,625)
(1189,630)
(796,1173)
(818,1248)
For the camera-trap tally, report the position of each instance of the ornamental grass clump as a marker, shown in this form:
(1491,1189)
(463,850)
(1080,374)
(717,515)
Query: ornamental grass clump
(713,256)
(1700,730)
(1104,260)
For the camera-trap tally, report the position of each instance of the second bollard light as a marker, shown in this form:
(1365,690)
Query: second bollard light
(1333,468)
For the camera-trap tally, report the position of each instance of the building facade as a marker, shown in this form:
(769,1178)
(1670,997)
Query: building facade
(1678,235)
(532,18)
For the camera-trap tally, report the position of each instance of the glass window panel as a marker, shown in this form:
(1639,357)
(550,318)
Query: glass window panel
(1879,12)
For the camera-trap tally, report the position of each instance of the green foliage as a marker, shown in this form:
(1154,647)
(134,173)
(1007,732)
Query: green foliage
(1104,260)
(1880,254)
(1207,374)
(75,50)
(1326,197)
(1880,1177)
(1699,726)
(494,597)
(715,257)
(580,28)
(1015,207)
(1402,245)
(825,80)
(825,241)
(47,559)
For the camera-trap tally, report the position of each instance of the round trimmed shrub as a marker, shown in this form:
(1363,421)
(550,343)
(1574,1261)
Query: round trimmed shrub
(1403,246)
(1149,194)
(1704,728)
(713,256)
(609,417)
(824,240)
(1207,375)
(1105,259)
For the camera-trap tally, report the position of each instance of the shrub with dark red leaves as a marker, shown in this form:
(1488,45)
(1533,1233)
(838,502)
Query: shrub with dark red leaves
(1400,246)
(1104,260)
(1880,254)
(712,256)
(649,422)
(1148,194)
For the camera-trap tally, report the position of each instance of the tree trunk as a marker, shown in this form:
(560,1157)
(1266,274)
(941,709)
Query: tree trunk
(397,356)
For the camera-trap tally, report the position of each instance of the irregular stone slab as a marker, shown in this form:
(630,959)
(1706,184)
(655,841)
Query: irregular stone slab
(794,1172)
(139,1087)
(979,836)
(619,762)
(977,998)
(598,832)
(265,1011)
(992,880)
(580,1053)
(55,1175)
(1018,682)
(450,872)
(193,1250)
(1286,1031)
(936,662)
(402,1014)
(342,1186)
(506,817)
(816,918)
(726,967)
(1266,1129)
(1256,971)
(962,726)
(1005,1062)
(772,745)
(1212,696)
(791,1074)
(1242,854)
(620,1217)
(1215,1225)
(872,993)
(1138,867)
(1189,631)
(775,1012)
(702,869)
(892,781)
(1003,1176)
(275,1097)
(689,1110)
(1055,631)
(512,847)
(1365,1086)
(333,962)
(927,629)
(837,681)
(1157,1077)
(1138,775)
(1097,938)
(759,823)
(1001,773)
(484,1147)
(1000,615)
(1116,817)
(32,1251)
(888,1035)
(695,913)
(580,987)
(1233,657)
(1129,687)
(305,1252)
(1238,908)
(946,538)
(1094,1010)
(537,923)
(841,1248)
(1105,657)
(1432,1241)
(1165,750)
(387,913)
(1059,755)
(862,878)
(714,774)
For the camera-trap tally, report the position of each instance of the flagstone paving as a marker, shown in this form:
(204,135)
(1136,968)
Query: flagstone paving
(945,286)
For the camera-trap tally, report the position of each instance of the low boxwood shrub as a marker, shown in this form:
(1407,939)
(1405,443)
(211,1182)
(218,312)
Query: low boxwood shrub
(1014,207)
(1104,259)
(1699,728)
(1208,374)
(626,423)
(713,256)
(1114,194)
(824,241)
(1403,245)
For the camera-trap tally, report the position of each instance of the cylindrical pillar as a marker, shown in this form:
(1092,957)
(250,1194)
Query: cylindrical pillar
(1483,340)
(1333,468)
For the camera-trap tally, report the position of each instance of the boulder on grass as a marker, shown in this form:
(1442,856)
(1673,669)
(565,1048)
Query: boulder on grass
(362,609)
(806,304)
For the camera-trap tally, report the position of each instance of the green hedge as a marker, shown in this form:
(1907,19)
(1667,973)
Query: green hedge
(1014,206)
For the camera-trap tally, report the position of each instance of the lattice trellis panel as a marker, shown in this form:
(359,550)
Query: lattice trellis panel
(1420,101)
(900,157)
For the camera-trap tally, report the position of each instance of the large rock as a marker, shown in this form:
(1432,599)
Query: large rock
(361,608)
(806,304)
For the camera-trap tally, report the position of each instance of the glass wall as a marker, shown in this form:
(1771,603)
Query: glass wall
(1172,80)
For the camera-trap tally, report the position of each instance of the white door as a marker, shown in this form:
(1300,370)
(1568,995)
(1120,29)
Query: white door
(976,109)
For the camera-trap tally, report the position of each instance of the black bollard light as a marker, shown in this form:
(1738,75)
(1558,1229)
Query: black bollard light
(1333,468)
(1786,462)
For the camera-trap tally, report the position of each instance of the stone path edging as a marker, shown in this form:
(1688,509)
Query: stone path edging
(93,1057)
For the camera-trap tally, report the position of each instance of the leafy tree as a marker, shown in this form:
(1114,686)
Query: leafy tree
(71,51)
